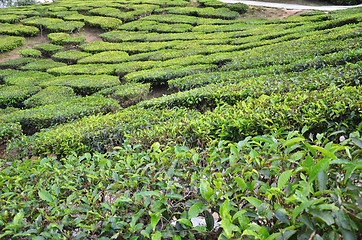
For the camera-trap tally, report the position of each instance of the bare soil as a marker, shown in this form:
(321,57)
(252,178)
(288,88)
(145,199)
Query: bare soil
(271,13)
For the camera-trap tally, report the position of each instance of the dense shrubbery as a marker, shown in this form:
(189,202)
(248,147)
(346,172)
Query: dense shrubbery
(239,7)
(34,119)
(65,39)
(106,23)
(49,95)
(127,94)
(247,129)
(16,63)
(27,78)
(42,65)
(18,29)
(9,43)
(30,52)
(84,84)
(49,49)
(12,96)
(54,24)
(70,56)
(105,57)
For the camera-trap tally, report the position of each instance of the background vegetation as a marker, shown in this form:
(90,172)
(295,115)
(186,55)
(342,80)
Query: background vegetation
(185,121)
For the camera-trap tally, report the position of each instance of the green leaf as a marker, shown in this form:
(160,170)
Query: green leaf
(18,218)
(254,201)
(156,236)
(283,178)
(209,220)
(240,181)
(282,215)
(322,181)
(229,228)
(206,190)
(195,210)
(325,152)
(357,142)
(46,196)
(322,165)
(300,208)
(343,220)
(248,232)
(185,222)
(155,217)
(304,218)
(293,141)
(323,216)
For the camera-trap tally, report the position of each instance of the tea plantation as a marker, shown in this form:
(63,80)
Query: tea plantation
(184,120)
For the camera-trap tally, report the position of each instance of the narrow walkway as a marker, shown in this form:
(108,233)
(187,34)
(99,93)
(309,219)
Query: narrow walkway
(290,6)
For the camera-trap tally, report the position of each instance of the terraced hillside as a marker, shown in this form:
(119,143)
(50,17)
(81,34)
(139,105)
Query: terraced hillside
(257,134)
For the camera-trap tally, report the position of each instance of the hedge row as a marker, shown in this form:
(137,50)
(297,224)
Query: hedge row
(27,78)
(49,95)
(35,119)
(42,65)
(65,39)
(54,24)
(18,29)
(13,96)
(152,26)
(97,133)
(80,69)
(84,84)
(223,13)
(30,52)
(192,20)
(162,75)
(70,56)
(106,23)
(332,110)
(10,18)
(15,63)
(127,94)
(105,57)
(230,87)
(9,43)
(131,48)
(49,49)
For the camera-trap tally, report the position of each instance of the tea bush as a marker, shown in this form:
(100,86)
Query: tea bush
(9,43)
(105,57)
(209,12)
(13,96)
(153,26)
(50,95)
(84,84)
(27,78)
(127,94)
(54,24)
(106,23)
(161,75)
(16,63)
(10,18)
(212,3)
(18,29)
(70,56)
(131,48)
(49,49)
(42,65)
(80,69)
(9,131)
(30,52)
(34,119)
(58,38)
(239,7)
